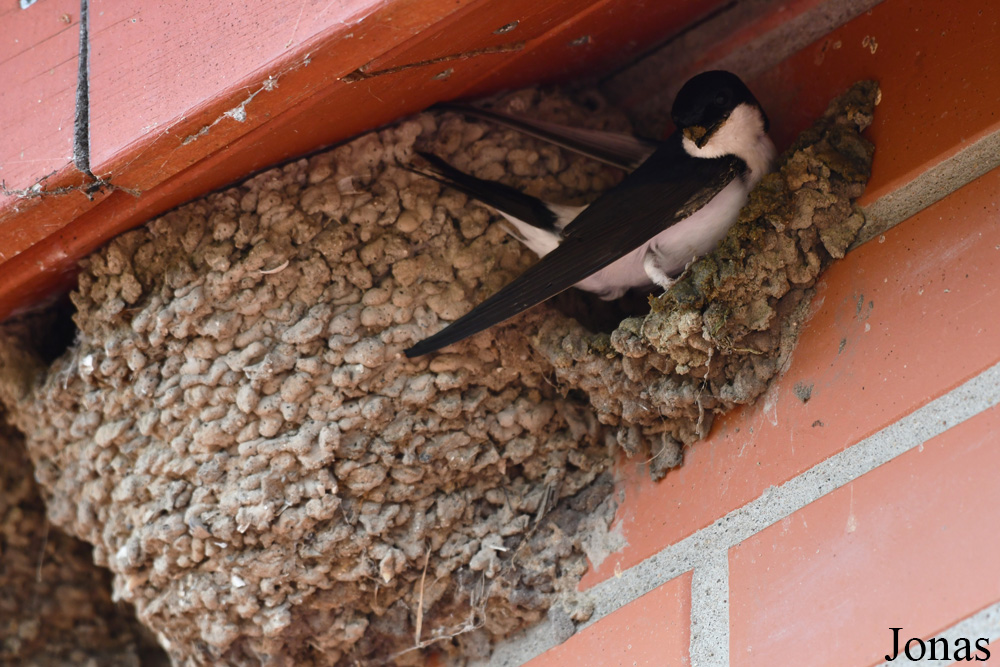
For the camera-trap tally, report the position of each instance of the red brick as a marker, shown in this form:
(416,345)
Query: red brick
(992,647)
(895,324)
(906,545)
(652,630)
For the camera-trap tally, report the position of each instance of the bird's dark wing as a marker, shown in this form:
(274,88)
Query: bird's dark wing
(668,187)
(616,149)
(501,197)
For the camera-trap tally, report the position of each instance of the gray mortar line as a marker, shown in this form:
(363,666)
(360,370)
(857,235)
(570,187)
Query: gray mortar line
(931,186)
(703,550)
(525,645)
(984,623)
(81,122)
(710,611)
(706,551)
(775,503)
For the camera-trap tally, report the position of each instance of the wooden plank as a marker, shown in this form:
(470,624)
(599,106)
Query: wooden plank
(38,65)
(141,156)
(197,65)
(597,41)
(38,48)
(188,100)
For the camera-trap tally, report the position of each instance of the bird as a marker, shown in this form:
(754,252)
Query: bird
(682,195)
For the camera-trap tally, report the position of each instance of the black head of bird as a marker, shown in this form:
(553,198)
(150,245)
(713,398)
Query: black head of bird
(706,103)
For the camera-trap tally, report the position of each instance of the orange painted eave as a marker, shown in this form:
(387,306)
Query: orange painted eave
(171,122)
(344,74)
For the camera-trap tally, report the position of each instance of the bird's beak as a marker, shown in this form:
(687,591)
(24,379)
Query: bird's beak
(697,134)
(700,135)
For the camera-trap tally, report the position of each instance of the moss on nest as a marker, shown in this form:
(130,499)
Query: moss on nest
(715,339)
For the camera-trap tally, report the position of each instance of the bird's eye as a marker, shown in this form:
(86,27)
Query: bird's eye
(722,100)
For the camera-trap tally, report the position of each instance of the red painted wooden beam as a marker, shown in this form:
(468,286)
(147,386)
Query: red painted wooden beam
(188,97)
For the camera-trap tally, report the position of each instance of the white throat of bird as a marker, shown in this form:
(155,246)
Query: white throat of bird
(742,135)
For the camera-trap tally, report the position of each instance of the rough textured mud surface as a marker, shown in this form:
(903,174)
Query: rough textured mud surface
(268,478)
(55,604)
(718,336)
(270,481)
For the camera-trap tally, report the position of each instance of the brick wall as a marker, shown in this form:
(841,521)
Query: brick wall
(860,493)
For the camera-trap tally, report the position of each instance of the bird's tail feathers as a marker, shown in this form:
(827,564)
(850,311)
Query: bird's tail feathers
(509,201)
(613,148)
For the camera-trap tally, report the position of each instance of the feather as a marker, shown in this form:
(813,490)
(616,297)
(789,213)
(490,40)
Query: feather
(502,197)
(665,189)
(613,148)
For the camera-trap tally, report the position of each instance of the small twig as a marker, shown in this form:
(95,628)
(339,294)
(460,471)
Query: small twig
(468,627)
(544,504)
(658,454)
(87,189)
(277,269)
(745,350)
(701,391)
(41,556)
(420,601)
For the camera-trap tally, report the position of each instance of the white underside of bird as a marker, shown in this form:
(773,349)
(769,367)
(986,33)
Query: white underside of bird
(660,259)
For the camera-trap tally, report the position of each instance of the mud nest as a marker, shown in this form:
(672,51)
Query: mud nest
(718,336)
(269,480)
(55,607)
